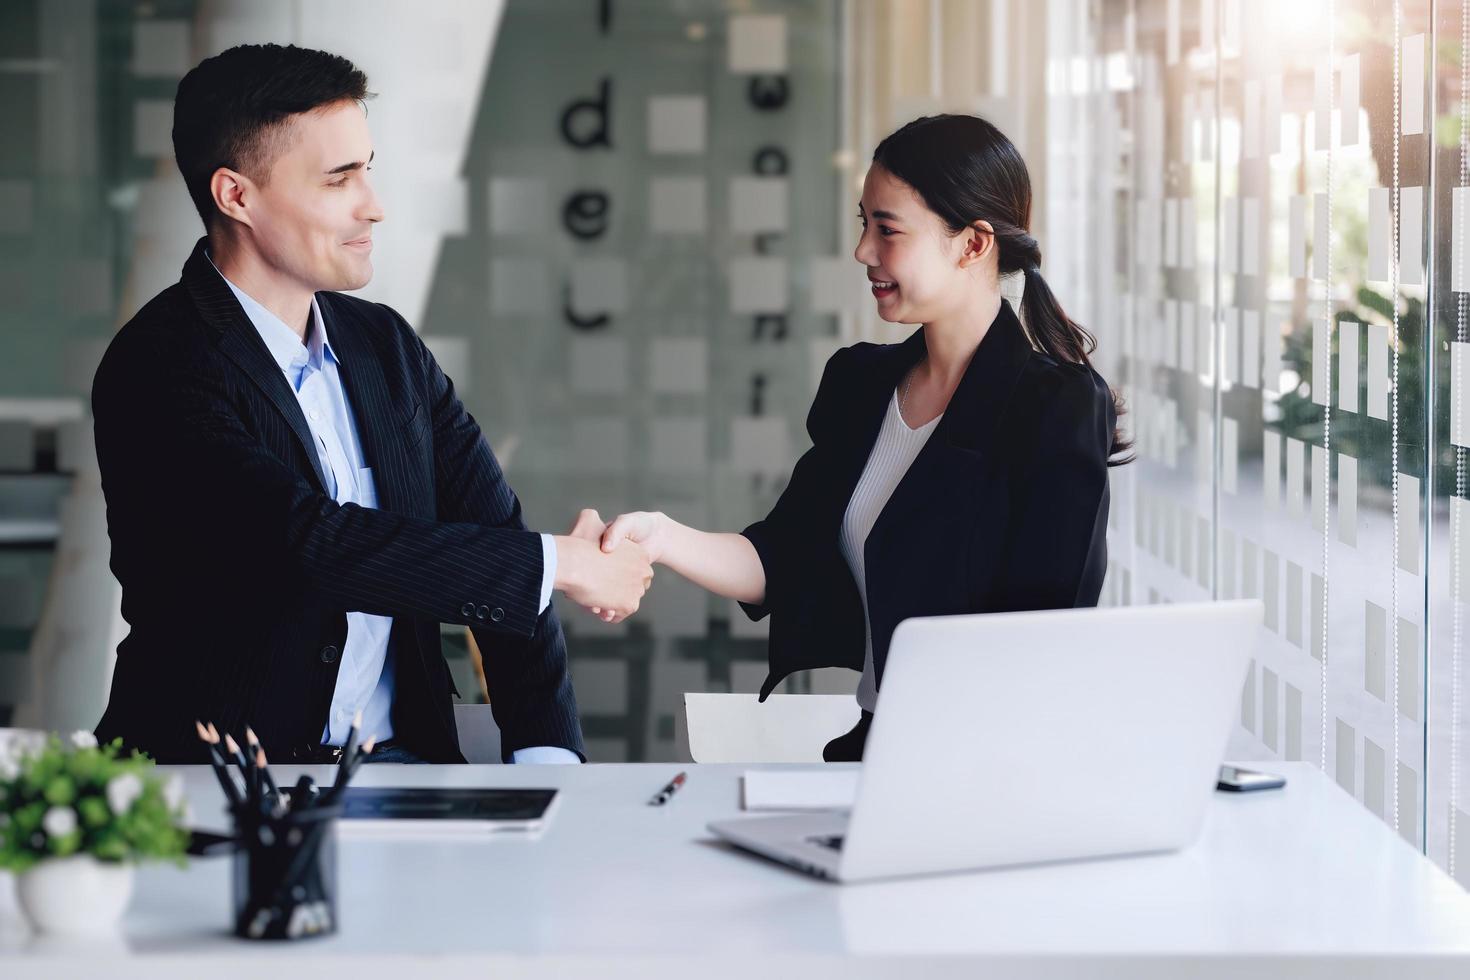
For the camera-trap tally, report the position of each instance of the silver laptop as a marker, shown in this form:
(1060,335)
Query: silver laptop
(1018,738)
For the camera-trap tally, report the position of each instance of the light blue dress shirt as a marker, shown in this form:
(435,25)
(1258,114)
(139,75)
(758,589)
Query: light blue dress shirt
(365,678)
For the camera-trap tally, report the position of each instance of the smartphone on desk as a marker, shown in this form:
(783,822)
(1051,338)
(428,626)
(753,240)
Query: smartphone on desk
(1233,779)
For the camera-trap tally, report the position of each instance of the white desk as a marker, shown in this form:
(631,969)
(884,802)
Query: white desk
(1301,883)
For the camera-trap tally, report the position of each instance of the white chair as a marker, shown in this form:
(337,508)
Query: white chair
(786,728)
(479,736)
(74,646)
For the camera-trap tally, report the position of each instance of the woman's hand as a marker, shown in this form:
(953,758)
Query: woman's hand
(725,564)
(647,528)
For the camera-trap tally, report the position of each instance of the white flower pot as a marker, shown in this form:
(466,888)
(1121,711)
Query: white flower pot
(75,896)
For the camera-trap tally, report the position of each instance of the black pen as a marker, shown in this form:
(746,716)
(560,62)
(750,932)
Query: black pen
(663,795)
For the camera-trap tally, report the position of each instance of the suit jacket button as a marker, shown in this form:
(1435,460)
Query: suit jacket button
(467,610)
(329,654)
(497,614)
(482,612)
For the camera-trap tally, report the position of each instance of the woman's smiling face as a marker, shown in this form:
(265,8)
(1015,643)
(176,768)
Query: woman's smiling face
(914,262)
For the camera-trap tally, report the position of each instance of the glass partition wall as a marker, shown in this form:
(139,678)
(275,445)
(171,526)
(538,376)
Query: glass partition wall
(1270,198)
(626,229)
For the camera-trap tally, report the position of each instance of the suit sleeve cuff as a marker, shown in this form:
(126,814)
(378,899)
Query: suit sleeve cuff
(545,755)
(548,571)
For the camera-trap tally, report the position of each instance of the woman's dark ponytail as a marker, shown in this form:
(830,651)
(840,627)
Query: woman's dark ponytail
(967,171)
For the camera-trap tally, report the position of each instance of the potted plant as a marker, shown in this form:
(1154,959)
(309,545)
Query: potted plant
(74,819)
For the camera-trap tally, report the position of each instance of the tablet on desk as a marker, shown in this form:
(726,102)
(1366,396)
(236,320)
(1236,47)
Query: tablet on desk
(416,811)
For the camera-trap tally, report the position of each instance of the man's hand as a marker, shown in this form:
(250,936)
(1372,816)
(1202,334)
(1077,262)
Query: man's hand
(610,583)
(588,526)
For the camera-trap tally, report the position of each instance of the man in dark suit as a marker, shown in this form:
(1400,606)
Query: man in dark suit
(295,496)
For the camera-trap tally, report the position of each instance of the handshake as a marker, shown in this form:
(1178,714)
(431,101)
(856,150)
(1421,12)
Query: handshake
(608,568)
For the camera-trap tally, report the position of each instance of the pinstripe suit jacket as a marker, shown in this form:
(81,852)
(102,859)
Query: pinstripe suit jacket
(238,568)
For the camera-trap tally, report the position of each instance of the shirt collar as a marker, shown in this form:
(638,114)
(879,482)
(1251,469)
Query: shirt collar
(287,349)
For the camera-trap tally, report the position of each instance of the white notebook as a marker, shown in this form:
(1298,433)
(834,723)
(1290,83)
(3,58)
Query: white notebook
(801,789)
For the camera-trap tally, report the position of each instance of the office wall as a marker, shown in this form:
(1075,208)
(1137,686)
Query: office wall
(1267,196)
(616,224)
(647,284)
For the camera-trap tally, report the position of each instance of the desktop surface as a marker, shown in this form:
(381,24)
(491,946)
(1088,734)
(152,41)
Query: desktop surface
(1279,877)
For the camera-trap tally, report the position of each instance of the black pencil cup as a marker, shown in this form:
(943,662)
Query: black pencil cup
(285,873)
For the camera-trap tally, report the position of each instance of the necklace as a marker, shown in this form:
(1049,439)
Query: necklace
(903,398)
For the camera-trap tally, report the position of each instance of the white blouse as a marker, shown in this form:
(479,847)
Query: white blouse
(893,453)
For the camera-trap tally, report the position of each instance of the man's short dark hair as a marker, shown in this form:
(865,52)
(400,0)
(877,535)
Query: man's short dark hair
(232,110)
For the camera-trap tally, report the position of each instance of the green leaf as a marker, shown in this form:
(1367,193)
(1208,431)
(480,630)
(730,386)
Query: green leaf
(60,791)
(110,847)
(1376,302)
(28,818)
(68,844)
(94,811)
(86,766)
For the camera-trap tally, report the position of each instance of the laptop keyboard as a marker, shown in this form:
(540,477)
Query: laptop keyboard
(834,841)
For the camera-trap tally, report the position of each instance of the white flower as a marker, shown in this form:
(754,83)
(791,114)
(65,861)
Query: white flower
(9,767)
(122,791)
(59,821)
(173,791)
(83,739)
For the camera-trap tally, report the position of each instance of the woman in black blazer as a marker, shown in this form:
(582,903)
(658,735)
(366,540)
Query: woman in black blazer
(961,471)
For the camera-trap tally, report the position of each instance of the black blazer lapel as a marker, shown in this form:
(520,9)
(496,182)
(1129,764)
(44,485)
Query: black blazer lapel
(956,451)
(865,406)
(977,406)
(379,423)
(239,341)
(935,500)
(872,388)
